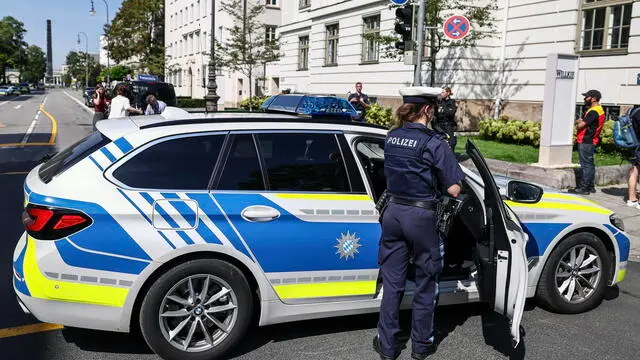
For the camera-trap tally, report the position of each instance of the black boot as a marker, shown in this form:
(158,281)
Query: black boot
(376,347)
(422,356)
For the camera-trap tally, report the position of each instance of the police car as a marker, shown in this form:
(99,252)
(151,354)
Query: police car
(189,226)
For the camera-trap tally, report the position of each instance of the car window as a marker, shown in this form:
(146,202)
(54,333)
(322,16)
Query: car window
(371,155)
(303,162)
(72,155)
(242,169)
(184,163)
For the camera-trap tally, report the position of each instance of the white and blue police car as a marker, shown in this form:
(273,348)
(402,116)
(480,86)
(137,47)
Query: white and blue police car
(189,226)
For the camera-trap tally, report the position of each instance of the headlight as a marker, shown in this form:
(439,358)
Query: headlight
(617,221)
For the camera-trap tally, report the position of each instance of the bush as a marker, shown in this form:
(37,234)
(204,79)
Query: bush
(255,102)
(511,131)
(379,115)
(191,103)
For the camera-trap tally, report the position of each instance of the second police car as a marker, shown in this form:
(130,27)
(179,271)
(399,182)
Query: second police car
(191,225)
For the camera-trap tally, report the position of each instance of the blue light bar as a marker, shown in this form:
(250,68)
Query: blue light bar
(313,105)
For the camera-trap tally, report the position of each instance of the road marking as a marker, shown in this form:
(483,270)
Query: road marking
(28,329)
(17,107)
(30,130)
(9,145)
(83,106)
(54,126)
(38,114)
(15,173)
(2,103)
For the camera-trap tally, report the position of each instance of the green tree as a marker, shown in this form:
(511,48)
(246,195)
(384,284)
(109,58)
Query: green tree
(36,64)
(137,31)
(479,13)
(117,72)
(246,49)
(11,44)
(78,62)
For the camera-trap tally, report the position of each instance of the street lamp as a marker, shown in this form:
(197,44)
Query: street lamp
(86,54)
(212,97)
(93,12)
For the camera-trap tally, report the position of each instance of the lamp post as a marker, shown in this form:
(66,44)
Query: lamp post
(86,54)
(93,12)
(212,97)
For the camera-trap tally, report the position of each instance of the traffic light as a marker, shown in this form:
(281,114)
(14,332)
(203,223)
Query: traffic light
(404,27)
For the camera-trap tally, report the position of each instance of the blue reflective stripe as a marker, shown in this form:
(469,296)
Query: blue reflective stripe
(104,235)
(202,229)
(168,219)
(123,145)
(18,266)
(146,217)
(73,256)
(206,204)
(96,163)
(108,154)
(541,235)
(624,245)
(613,230)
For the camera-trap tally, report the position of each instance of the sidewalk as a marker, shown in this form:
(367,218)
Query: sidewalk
(614,198)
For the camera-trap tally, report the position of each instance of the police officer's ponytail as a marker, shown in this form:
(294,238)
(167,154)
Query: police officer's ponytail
(410,112)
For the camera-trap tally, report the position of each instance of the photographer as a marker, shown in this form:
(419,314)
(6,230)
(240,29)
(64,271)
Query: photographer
(360,101)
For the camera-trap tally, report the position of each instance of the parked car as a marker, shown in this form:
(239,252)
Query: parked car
(137,91)
(24,89)
(192,225)
(3,90)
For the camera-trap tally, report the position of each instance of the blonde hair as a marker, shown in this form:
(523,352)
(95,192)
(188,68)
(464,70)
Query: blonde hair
(408,113)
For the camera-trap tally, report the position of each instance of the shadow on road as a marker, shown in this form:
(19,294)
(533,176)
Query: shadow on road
(106,342)
(620,191)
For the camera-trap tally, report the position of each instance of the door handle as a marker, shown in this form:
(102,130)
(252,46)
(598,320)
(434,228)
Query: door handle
(260,213)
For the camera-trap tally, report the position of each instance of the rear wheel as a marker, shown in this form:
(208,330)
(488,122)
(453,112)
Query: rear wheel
(197,310)
(575,276)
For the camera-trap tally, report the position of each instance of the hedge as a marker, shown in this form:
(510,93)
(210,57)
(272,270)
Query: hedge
(191,103)
(255,101)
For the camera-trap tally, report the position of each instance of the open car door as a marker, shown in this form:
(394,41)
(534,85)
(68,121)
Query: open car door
(500,254)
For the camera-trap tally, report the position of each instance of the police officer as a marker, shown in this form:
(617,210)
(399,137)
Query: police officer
(419,167)
(446,116)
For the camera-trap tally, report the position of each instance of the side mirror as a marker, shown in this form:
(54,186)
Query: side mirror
(523,192)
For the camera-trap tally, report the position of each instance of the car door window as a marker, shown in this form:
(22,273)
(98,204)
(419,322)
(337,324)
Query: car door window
(303,162)
(183,163)
(371,155)
(242,169)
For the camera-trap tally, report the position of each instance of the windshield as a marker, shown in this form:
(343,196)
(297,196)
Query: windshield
(71,155)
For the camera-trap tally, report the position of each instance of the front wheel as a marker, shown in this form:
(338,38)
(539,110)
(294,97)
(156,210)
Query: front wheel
(197,310)
(575,276)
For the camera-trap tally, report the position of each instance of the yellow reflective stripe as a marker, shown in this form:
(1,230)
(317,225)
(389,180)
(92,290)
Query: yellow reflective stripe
(560,206)
(569,198)
(44,288)
(621,274)
(327,289)
(324,196)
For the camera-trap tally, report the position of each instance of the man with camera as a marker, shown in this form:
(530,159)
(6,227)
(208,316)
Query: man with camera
(360,102)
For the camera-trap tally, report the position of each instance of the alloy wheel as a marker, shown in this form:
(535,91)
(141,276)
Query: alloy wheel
(578,273)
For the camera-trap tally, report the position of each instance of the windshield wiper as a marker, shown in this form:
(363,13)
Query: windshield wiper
(47,157)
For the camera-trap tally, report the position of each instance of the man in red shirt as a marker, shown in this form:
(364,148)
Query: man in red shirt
(588,137)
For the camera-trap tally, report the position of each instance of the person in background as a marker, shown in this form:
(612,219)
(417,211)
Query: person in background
(120,105)
(635,162)
(588,137)
(360,102)
(154,106)
(100,104)
(446,117)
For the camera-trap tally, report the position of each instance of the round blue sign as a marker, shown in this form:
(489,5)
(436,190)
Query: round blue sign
(399,2)
(456,27)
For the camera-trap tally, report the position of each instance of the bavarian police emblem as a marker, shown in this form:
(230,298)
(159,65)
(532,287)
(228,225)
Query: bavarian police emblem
(348,245)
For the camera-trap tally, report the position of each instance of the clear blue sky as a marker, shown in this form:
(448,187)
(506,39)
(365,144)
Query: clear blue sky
(68,17)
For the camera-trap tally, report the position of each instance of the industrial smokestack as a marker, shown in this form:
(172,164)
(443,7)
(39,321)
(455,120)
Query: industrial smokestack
(49,77)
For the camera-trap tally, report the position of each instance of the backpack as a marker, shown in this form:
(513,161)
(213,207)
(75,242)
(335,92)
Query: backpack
(624,134)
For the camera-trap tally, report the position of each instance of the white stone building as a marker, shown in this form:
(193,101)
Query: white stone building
(188,42)
(325,52)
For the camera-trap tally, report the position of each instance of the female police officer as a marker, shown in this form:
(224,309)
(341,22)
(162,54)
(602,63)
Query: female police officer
(419,165)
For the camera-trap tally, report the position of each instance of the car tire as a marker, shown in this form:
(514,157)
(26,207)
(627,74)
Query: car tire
(224,278)
(556,280)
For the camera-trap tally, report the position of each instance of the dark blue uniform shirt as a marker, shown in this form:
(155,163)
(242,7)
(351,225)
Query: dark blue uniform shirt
(419,164)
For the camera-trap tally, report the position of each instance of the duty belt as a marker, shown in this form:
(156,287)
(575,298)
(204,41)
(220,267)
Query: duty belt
(428,205)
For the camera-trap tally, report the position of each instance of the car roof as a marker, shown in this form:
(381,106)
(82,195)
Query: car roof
(174,119)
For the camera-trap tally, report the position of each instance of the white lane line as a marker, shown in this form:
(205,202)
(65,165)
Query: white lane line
(38,114)
(4,102)
(83,106)
(45,100)
(29,131)
(17,107)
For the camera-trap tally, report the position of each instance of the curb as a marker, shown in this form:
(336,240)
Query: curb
(556,178)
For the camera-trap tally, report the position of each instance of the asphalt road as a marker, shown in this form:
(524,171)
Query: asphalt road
(464,332)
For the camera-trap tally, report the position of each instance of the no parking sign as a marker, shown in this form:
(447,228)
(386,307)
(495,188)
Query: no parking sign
(456,27)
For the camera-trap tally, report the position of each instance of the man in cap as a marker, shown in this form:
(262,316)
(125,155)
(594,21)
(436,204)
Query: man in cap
(420,168)
(588,137)
(446,116)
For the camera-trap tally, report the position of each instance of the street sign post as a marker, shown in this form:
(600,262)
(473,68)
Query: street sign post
(456,27)
(399,2)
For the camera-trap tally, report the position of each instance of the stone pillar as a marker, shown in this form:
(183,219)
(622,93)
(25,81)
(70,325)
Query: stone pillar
(558,111)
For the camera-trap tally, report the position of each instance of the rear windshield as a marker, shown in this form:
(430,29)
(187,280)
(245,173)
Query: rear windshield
(71,155)
(162,91)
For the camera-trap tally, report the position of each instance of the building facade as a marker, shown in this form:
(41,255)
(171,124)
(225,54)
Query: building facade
(326,51)
(188,43)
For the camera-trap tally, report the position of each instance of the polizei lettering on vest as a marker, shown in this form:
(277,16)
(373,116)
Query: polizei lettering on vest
(402,142)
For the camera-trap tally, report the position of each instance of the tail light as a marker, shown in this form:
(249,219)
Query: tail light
(50,223)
